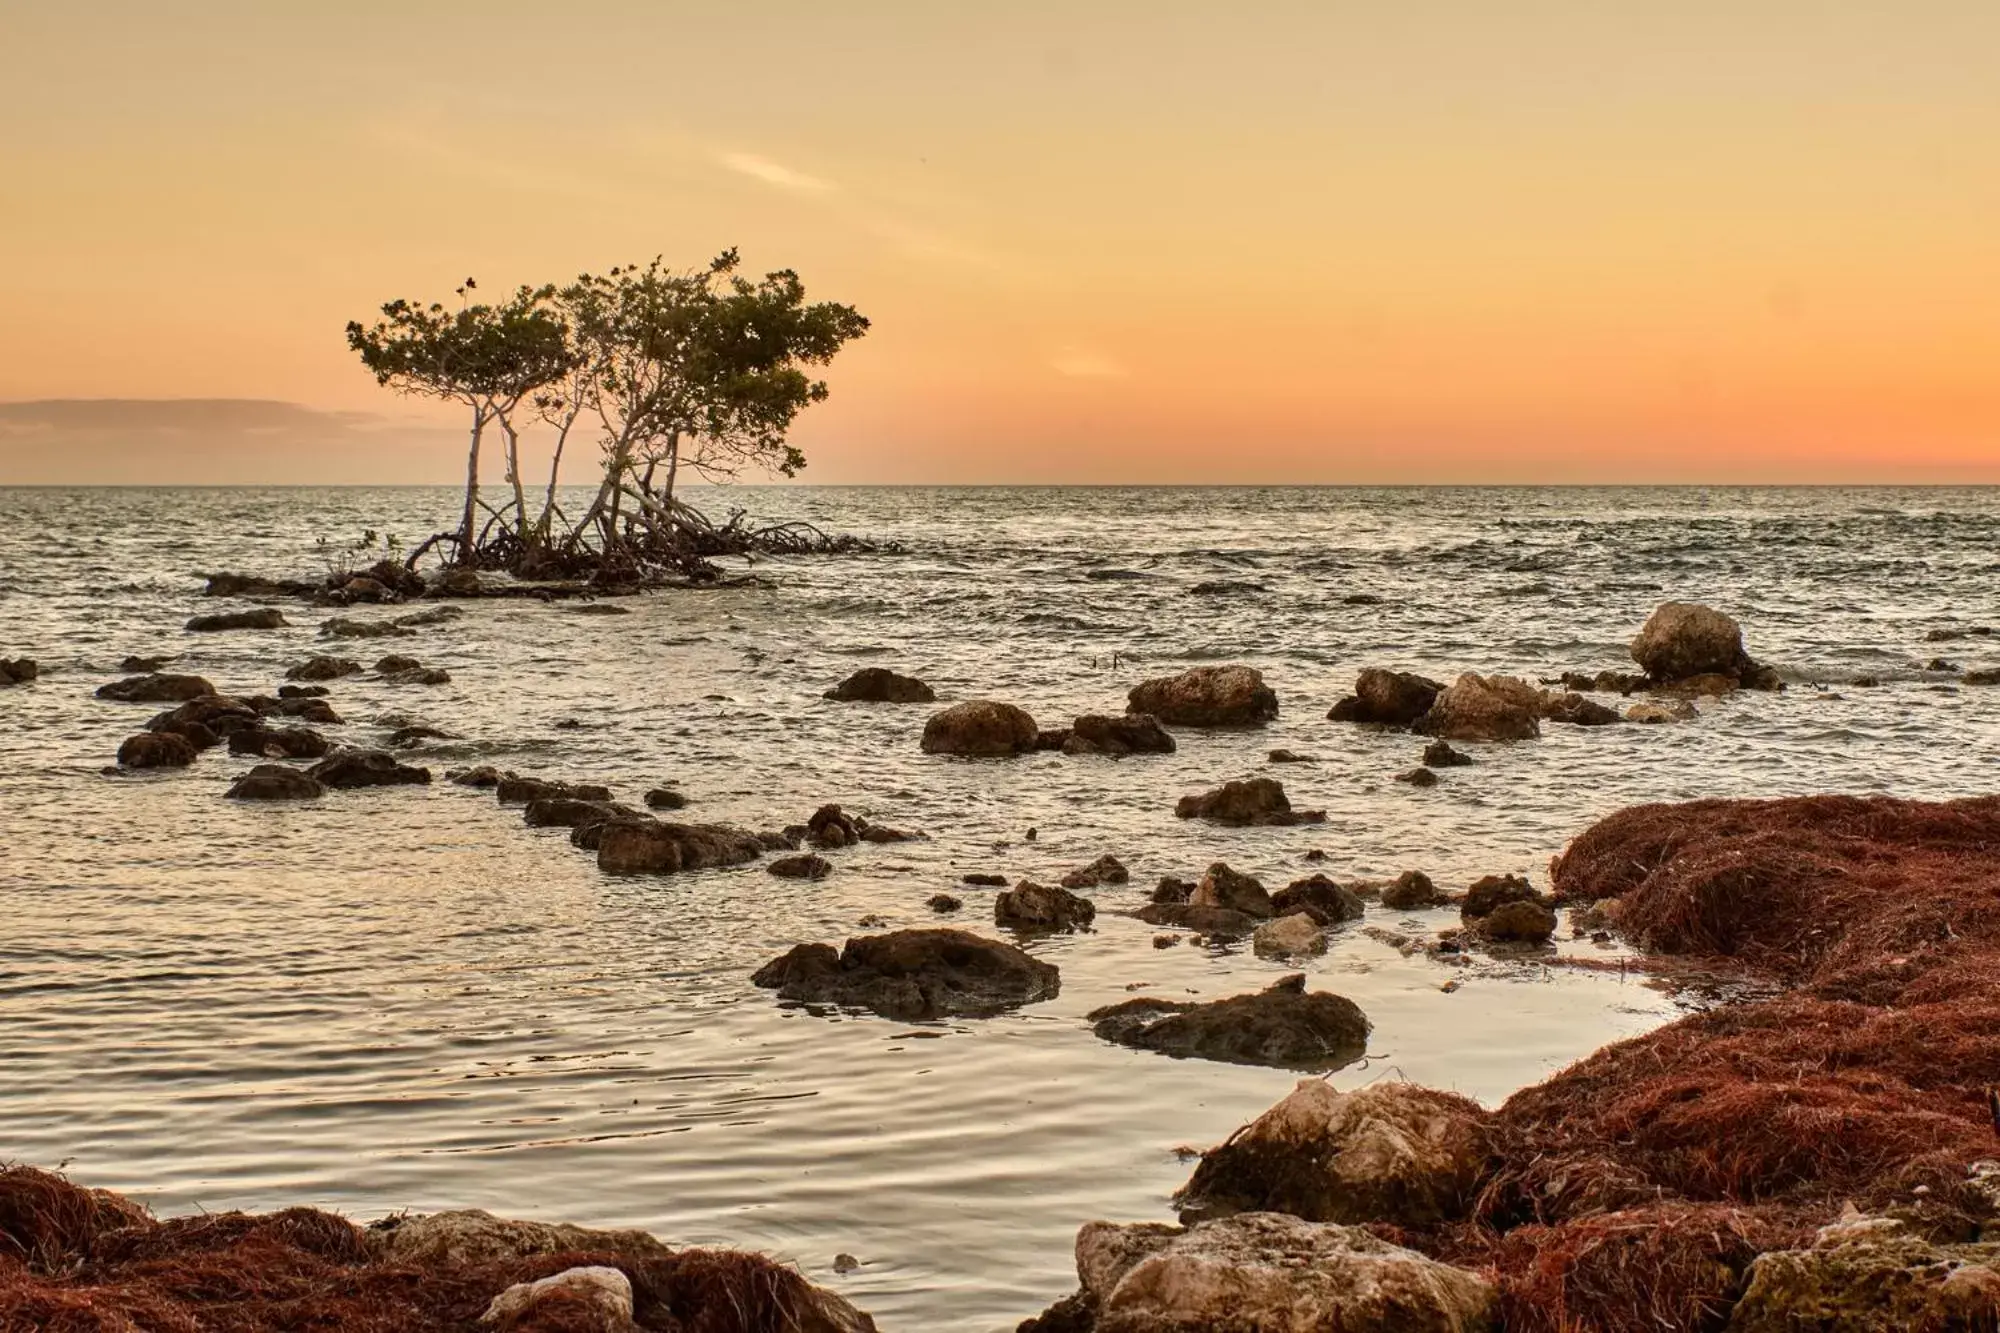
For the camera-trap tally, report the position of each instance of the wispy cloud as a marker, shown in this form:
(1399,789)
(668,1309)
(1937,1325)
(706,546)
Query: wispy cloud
(774,174)
(1085,363)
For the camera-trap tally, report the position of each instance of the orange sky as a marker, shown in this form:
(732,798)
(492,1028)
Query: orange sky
(1159,241)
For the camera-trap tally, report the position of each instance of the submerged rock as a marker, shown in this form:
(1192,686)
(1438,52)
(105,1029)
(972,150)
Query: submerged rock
(155,688)
(913,975)
(982,880)
(1439,754)
(571,813)
(1418,777)
(21,670)
(275,782)
(207,720)
(512,789)
(1106,869)
(1506,908)
(1678,710)
(302,692)
(980,728)
(1289,757)
(155,749)
(1387,698)
(1285,1026)
(1325,900)
(1131,733)
(1389,1152)
(1577,711)
(324,668)
(279,742)
(1207,696)
(879,685)
(942,903)
(263,617)
(339,628)
(1245,802)
(1484,708)
(654,847)
(666,798)
(807,866)
(1268,1273)
(366,768)
(1031,906)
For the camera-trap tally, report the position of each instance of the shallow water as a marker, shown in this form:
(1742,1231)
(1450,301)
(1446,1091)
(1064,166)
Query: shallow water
(403,999)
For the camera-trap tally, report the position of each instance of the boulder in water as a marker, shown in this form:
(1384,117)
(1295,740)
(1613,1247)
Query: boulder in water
(654,847)
(19,671)
(1245,802)
(1106,869)
(512,789)
(1223,887)
(1031,906)
(879,685)
(155,749)
(1409,890)
(279,742)
(1577,711)
(807,866)
(666,798)
(263,617)
(1681,640)
(913,975)
(1484,708)
(1506,908)
(1117,736)
(1325,900)
(1387,698)
(980,728)
(1284,1025)
(348,769)
(1673,710)
(1439,754)
(155,687)
(322,667)
(275,782)
(1207,696)
(1296,935)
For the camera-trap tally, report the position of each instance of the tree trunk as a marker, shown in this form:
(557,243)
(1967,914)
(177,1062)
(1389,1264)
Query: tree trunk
(673,465)
(514,475)
(465,528)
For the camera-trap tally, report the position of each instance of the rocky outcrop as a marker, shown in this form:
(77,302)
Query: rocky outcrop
(879,685)
(1207,696)
(263,617)
(1484,708)
(1387,698)
(1029,906)
(208,719)
(1577,711)
(1266,1273)
(1410,890)
(279,742)
(1297,935)
(1324,900)
(1685,639)
(1388,1152)
(1225,888)
(1131,733)
(1872,1273)
(1285,1026)
(155,688)
(980,728)
(1506,908)
(655,847)
(155,749)
(1106,869)
(912,975)
(275,782)
(1245,802)
(513,789)
(18,671)
(324,668)
(807,866)
(346,769)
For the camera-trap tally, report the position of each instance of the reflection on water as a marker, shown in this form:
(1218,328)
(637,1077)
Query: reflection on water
(403,999)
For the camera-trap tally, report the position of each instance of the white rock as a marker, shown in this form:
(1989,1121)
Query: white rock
(1293,936)
(607,1291)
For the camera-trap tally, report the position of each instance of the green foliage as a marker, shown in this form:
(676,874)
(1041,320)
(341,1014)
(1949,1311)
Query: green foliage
(479,354)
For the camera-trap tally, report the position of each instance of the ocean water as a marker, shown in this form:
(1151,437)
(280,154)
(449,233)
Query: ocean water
(403,999)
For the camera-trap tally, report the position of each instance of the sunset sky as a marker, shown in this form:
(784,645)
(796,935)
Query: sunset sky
(1100,242)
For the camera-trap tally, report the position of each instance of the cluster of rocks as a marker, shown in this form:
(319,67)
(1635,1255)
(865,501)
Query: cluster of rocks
(1211,696)
(912,975)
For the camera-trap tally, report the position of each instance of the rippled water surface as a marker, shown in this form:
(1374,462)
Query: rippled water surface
(403,999)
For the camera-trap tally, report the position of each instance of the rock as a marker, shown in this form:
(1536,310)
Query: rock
(308,709)
(485,775)
(338,628)
(1418,777)
(801,867)
(1269,1273)
(571,813)
(1484,708)
(275,782)
(1870,1274)
(279,743)
(1133,733)
(264,617)
(21,670)
(784,840)
(1710,686)
(460,581)
(154,688)
(1290,757)
(1324,900)
(346,769)
(1051,738)
(830,827)
(1682,639)
(1031,906)
(665,798)
(1409,890)
(155,749)
(254,585)
(1284,1026)
(302,692)
(1677,711)
(1226,588)
(652,847)
(980,879)
(402,738)
(1223,887)
(883,833)
(1293,936)
(1221,922)
(207,719)
(1106,869)
(471,1237)
(513,789)
(1387,698)
(943,902)
(1389,1152)
(980,727)
(1207,696)
(1249,801)
(1361,599)
(1983,676)
(411,672)
(913,975)
(1578,711)
(1944,665)
(879,685)
(323,668)
(1506,908)
(1172,889)
(1439,754)
(583,1298)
